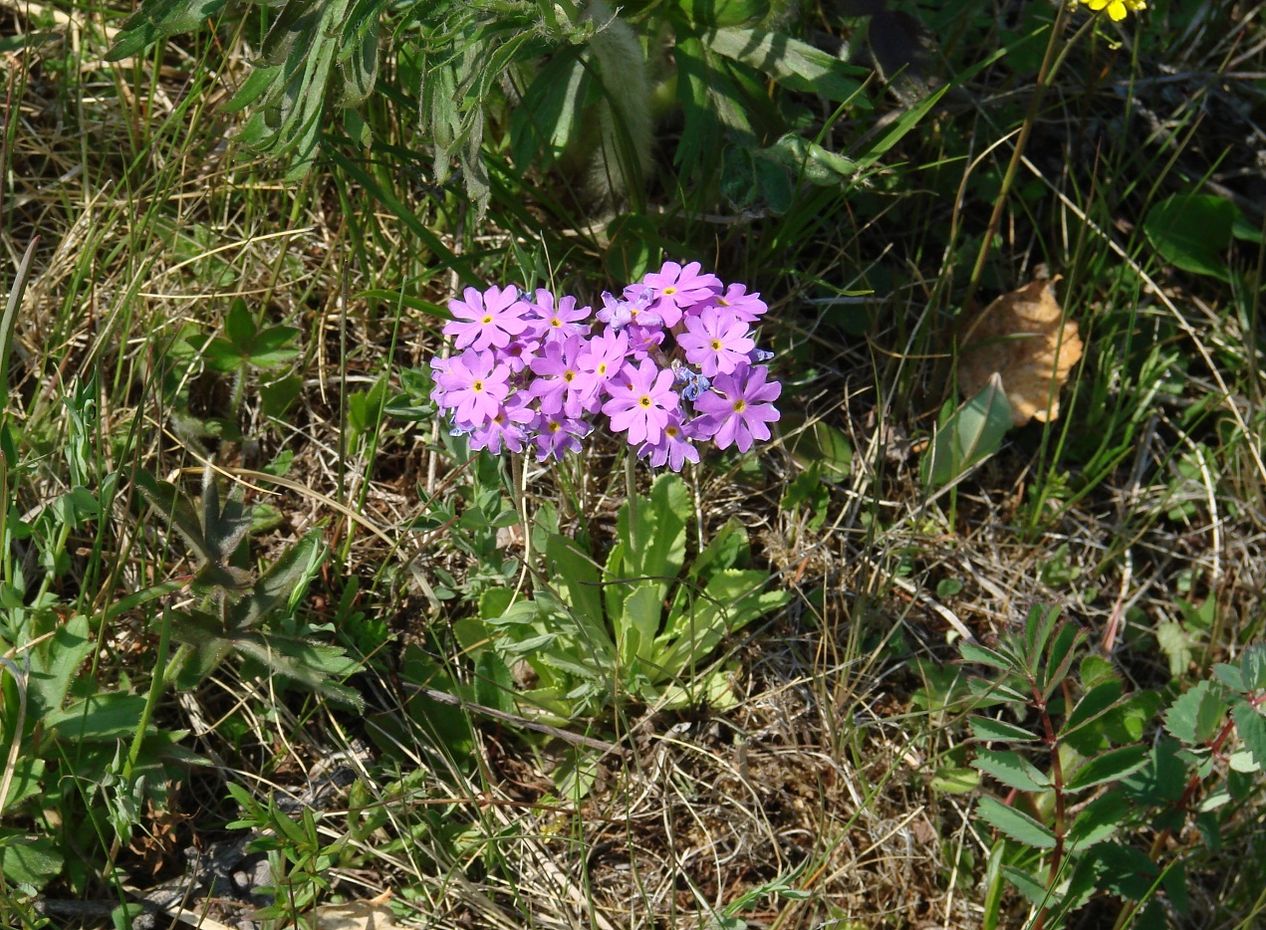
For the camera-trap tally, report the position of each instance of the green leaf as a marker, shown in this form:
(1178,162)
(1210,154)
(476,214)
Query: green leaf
(26,781)
(168,500)
(28,860)
(1192,232)
(1015,824)
(654,546)
(967,436)
(1112,765)
(1177,644)
(955,780)
(638,623)
(239,326)
(1059,657)
(1251,727)
(792,63)
(105,716)
(1030,886)
(158,19)
(55,664)
(1195,714)
(1093,704)
(1012,769)
(1253,667)
(1099,820)
(278,397)
(726,548)
(543,123)
(1231,676)
(987,728)
(284,582)
(494,685)
(714,13)
(309,663)
(579,576)
(272,348)
(981,655)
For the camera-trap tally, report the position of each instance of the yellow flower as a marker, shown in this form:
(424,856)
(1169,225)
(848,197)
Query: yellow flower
(1117,9)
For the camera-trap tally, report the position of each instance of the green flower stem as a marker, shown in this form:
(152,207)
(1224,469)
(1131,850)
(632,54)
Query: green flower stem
(157,684)
(1045,75)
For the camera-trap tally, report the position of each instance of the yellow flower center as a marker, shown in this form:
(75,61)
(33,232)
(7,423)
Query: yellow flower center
(740,405)
(645,401)
(669,291)
(569,376)
(716,345)
(487,318)
(477,386)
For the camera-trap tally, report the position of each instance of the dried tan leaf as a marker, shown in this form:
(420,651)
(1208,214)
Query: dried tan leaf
(371,914)
(1024,338)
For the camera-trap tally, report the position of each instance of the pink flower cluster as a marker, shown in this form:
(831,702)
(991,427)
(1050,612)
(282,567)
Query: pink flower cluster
(670,363)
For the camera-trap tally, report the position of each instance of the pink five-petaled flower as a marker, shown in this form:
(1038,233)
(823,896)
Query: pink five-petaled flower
(504,429)
(742,415)
(475,385)
(716,342)
(557,434)
(562,384)
(676,288)
(740,304)
(487,320)
(555,320)
(641,402)
(674,447)
(603,357)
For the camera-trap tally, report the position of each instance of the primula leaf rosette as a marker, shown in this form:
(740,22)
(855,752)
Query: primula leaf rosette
(668,364)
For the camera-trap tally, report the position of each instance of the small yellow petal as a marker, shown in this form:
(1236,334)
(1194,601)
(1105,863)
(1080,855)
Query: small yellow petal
(1116,10)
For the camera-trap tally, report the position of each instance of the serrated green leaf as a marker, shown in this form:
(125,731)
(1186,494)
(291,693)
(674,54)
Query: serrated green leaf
(1015,824)
(1230,675)
(1112,765)
(1030,886)
(1012,769)
(982,655)
(1253,667)
(1195,715)
(1251,727)
(987,728)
